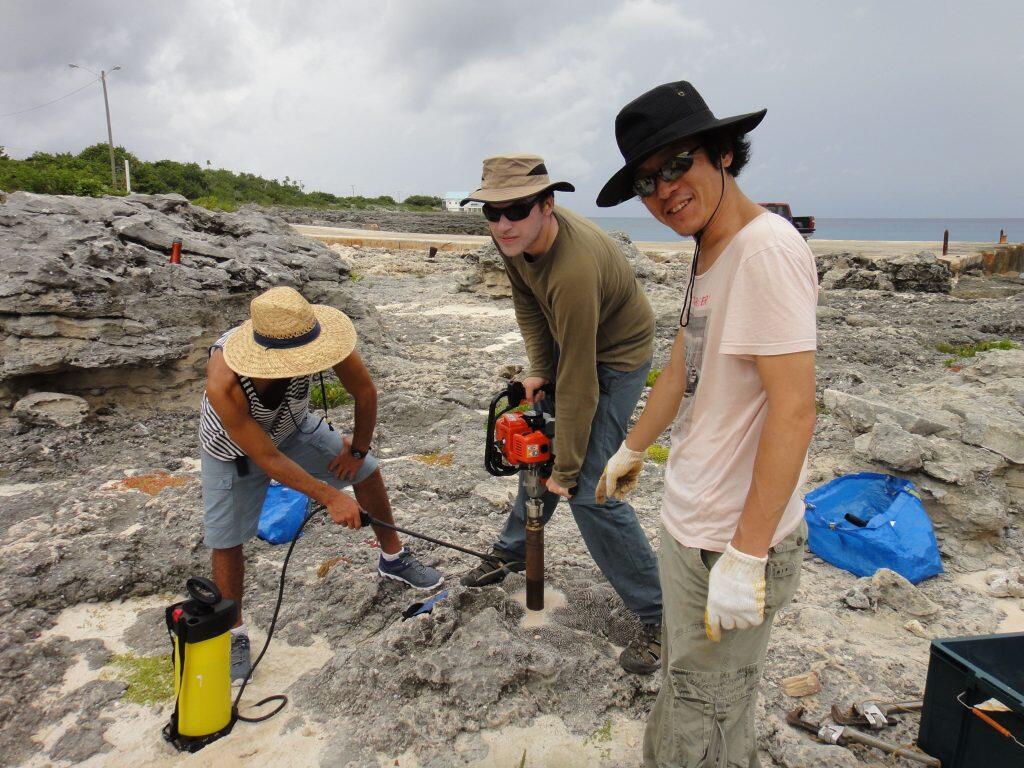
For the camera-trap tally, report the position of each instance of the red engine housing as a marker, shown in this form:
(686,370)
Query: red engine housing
(521,443)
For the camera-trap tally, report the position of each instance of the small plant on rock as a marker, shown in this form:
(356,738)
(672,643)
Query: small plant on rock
(658,454)
(336,394)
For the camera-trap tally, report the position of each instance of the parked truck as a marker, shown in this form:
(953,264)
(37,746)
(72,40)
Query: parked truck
(804,224)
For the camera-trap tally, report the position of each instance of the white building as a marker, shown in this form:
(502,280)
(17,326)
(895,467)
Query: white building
(452,202)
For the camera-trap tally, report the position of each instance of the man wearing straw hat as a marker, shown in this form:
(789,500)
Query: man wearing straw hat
(739,386)
(589,329)
(255,426)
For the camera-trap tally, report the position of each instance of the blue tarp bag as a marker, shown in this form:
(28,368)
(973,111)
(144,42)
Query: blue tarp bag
(284,509)
(866,521)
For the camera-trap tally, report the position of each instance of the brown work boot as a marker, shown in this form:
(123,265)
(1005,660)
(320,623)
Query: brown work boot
(493,571)
(643,654)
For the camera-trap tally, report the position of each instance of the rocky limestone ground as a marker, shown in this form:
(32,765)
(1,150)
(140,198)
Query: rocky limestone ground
(101,508)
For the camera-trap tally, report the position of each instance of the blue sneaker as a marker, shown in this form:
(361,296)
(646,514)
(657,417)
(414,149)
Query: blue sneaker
(409,570)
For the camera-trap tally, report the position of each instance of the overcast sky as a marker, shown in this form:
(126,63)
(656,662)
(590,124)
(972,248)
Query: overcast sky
(894,109)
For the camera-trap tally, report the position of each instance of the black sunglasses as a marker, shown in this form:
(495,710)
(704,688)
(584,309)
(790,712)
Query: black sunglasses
(514,212)
(670,171)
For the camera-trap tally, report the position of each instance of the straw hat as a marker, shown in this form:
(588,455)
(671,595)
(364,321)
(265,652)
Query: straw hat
(287,336)
(513,177)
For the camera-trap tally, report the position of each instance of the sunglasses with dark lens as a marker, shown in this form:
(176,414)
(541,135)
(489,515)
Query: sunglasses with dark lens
(670,171)
(514,212)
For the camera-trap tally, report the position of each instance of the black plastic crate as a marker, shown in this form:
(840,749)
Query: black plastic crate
(963,672)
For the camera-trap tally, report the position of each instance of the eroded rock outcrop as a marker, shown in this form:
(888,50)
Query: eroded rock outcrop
(921,272)
(88,286)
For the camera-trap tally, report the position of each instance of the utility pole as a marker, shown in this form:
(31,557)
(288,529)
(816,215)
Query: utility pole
(353,189)
(110,132)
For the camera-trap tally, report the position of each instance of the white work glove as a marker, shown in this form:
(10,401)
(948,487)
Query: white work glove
(735,593)
(620,474)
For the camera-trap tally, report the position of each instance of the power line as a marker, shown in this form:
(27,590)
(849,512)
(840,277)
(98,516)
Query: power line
(48,103)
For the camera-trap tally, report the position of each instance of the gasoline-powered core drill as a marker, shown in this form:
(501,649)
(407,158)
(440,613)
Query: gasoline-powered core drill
(520,441)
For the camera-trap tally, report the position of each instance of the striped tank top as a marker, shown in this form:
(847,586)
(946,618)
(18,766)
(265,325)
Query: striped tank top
(278,423)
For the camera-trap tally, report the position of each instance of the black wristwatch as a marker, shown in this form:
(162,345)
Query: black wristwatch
(357,454)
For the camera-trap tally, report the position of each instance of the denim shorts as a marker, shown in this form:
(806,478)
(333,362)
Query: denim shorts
(233,502)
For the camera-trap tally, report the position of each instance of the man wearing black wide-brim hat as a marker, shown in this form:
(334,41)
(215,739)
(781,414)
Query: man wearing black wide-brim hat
(740,387)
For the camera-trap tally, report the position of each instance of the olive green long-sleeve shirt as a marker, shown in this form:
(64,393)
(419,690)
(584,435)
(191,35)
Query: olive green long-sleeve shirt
(583,296)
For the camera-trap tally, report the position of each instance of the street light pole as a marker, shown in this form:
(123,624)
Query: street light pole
(110,132)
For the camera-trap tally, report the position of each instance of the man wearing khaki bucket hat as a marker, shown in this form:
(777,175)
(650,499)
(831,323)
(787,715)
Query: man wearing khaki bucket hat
(589,329)
(255,426)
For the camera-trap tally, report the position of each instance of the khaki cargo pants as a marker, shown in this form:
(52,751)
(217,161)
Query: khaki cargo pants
(704,715)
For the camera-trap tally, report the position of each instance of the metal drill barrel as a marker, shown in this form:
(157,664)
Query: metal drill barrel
(534,541)
(534,565)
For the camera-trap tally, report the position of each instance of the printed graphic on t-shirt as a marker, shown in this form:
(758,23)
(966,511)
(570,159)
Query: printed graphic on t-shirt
(693,345)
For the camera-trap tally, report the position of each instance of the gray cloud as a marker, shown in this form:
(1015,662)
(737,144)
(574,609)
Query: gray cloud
(909,109)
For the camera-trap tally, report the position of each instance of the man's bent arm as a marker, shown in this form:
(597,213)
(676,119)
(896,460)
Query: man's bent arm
(577,390)
(229,403)
(663,401)
(354,376)
(788,381)
(533,325)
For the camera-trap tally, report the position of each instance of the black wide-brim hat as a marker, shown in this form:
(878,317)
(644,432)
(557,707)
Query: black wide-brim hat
(662,116)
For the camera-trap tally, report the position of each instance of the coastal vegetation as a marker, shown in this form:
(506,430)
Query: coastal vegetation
(88,174)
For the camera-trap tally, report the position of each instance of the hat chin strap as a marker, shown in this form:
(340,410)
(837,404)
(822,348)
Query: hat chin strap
(684,315)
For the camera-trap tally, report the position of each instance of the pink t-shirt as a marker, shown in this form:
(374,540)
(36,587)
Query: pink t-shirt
(766,282)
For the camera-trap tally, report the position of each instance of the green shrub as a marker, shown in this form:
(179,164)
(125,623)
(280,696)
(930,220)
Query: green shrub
(970,350)
(336,394)
(87,187)
(88,173)
(658,454)
(214,203)
(423,201)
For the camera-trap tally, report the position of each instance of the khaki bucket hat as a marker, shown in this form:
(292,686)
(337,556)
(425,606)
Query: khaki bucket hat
(513,177)
(287,336)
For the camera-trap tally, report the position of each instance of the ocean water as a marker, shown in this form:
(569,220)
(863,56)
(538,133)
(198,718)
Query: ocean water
(960,230)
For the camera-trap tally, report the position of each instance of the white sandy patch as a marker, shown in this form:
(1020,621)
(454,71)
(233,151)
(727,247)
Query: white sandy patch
(104,621)
(504,341)
(547,742)
(190,464)
(465,310)
(16,489)
(1011,606)
(136,731)
(553,600)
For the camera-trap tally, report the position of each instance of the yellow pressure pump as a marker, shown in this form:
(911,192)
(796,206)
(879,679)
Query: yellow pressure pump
(200,631)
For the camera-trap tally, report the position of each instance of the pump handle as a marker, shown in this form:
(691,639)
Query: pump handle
(203,590)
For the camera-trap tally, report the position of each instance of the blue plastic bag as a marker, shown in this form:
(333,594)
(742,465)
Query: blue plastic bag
(284,509)
(896,532)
